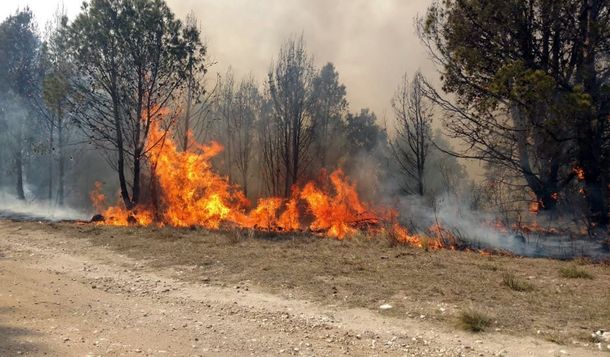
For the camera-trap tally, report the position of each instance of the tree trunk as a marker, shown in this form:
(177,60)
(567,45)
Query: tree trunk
(19,165)
(19,172)
(135,194)
(187,116)
(50,193)
(60,138)
(121,158)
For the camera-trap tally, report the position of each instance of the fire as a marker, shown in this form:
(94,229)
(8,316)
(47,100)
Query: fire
(535,206)
(579,172)
(403,236)
(192,194)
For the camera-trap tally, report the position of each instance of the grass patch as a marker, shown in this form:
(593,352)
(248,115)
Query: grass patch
(516,284)
(574,272)
(474,321)
(489,266)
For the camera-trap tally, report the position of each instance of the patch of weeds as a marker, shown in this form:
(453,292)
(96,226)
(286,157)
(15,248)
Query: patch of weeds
(489,266)
(236,235)
(474,321)
(574,272)
(516,284)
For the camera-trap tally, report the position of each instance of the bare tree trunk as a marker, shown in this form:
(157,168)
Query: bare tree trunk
(60,138)
(19,171)
(19,164)
(187,116)
(121,157)
(51,132)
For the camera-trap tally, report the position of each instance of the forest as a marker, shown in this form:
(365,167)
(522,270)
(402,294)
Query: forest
(524,92)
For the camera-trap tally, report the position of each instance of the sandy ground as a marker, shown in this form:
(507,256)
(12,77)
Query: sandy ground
(61,296)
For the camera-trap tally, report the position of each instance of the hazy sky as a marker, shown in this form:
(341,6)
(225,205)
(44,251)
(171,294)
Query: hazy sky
(371,42)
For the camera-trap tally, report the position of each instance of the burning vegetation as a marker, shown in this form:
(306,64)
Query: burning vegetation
(189,193)
(129,82)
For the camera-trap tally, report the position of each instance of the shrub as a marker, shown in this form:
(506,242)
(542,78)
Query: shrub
(511,281)
(574,272)
(475,321)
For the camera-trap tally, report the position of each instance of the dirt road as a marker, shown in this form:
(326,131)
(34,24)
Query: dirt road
(61,296)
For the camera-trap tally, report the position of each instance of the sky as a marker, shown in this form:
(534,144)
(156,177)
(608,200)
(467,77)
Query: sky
(371,42)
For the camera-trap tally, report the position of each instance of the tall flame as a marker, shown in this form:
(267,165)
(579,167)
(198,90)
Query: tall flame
(190,193)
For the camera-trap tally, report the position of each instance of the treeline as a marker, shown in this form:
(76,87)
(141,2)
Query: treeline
(93,88)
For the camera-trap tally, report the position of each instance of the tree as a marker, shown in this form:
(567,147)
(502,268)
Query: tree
(290,88)
(53,99)
(411,145)
(531,80)
(18,53)
(328,110)
(362,132)
(366,153)
(248,103)
(238,108)
(134,59)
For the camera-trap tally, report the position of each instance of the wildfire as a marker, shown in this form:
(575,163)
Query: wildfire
(190,193)
(579,172)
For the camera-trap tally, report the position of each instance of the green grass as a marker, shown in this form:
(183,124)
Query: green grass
(474,321)
(514,283)
(574,272)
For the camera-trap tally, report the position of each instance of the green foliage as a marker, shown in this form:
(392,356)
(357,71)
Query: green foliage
(18,51)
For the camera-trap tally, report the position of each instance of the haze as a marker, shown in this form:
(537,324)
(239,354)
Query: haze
(372,43)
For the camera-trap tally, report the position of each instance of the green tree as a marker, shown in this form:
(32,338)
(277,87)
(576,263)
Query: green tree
(328,111)
(134,58)
(531,80)
(53,99)
(19,44)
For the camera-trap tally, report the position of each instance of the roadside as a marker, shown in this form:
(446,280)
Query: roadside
(108,295)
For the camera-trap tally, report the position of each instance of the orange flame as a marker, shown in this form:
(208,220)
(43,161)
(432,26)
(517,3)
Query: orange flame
(192,194)
(580,173)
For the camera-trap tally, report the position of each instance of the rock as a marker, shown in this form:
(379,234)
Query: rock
(97,218)
(385,307)
(601,336)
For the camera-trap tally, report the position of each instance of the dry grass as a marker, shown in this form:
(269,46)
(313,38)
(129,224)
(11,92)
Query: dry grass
(574,272)
(516,284)
(362,271)
(474,321)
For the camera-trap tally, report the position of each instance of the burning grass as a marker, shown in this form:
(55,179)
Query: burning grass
(191,194)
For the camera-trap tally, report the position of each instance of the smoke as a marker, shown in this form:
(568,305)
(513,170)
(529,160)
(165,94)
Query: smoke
(372,43)
(475,229)
(13,208)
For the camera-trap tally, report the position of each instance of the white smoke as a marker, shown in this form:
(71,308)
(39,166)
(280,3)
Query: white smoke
(476,230)
(14,208)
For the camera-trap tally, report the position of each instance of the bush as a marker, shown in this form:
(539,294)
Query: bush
(574,272)
(511,281)
(475,321)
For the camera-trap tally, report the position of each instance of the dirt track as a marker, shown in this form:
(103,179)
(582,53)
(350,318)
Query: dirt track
(66,297)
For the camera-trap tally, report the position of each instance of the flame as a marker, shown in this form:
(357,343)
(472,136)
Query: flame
(192,194)
(579,172)
(535,206)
